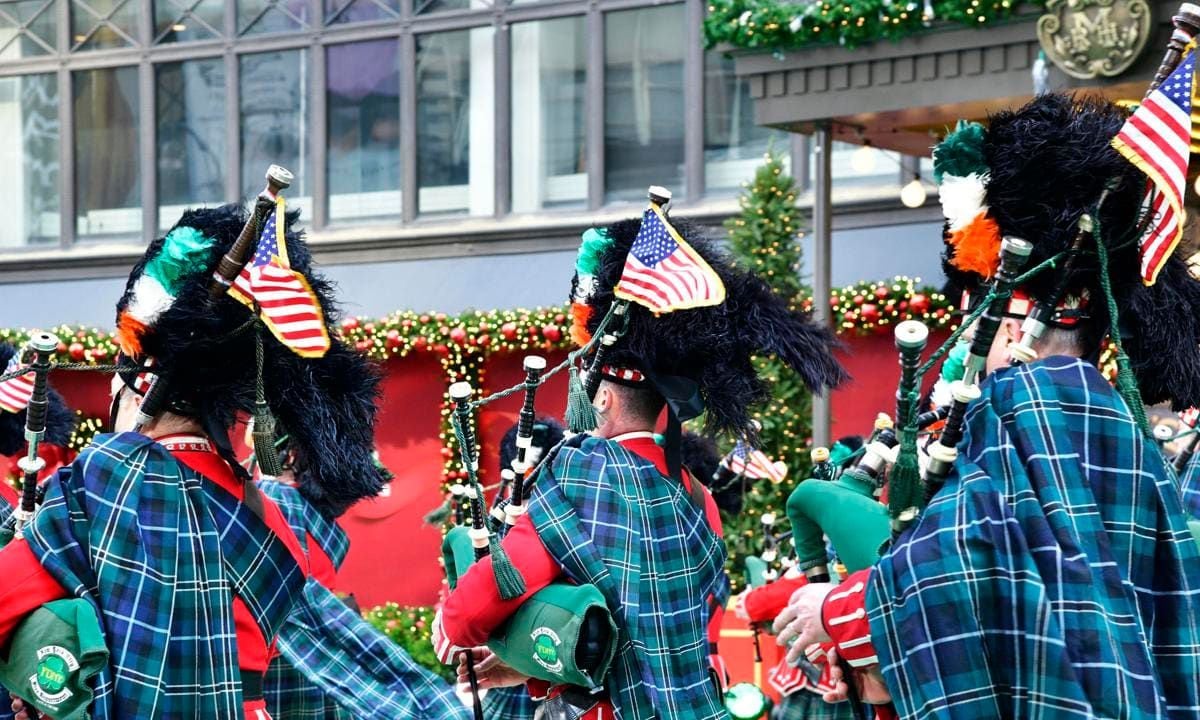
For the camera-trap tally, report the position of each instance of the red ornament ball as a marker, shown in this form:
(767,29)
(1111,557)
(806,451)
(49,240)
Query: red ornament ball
(350,323)
(859,299)
(81,334)
(76,351)
(420,343)
(850,316)
(100,353)
(62,347)
(552,333)
(441,349)
(869,313)
(440,317)
(560,318)
(424,319)
(483,340)
(406,323)
(458,335)
(362,346)
(509,330)
(881,292)
(919,303)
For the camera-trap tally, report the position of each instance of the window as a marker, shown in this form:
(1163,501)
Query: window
(274,121)
(108,194)
(190,112)
(421,7)
(549,78)
(363,148)
(349,11)
(29,139)
(101,24)
(183,20)
(733,145)
(861,167)
(27,28)
(643,101)
(455,122)
(268,16)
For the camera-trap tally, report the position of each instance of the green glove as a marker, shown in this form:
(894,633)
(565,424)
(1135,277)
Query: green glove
(54,654)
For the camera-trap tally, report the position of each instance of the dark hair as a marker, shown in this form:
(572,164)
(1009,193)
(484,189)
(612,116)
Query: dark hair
(643,401)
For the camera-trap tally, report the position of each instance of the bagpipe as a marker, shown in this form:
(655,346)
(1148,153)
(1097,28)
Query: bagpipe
(564,633)
(846,511)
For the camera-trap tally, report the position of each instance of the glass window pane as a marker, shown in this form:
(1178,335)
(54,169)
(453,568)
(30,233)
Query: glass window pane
(99,24)
(350,11)
(643,101)
(27,28)
(549,78)
(433,6)
(363,105)
(190,111)
(183,20)
(267,16)
(108,195)
(455,123)
(733,145)
(29,142)
(274,121)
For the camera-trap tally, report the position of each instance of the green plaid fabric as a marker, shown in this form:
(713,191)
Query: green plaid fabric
(804,705)
(509,703)
(305,520)
(333,664)
(1189,486)
(611,519)
(160,551)
(359,667)
(289,695)
(1053,576)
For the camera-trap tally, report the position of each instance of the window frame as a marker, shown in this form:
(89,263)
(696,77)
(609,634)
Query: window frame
(147,54)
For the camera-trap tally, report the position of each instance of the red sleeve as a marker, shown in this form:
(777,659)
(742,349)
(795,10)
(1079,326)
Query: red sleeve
(27,586)
(766,602)
(474,608)
(714,626)
(844,615)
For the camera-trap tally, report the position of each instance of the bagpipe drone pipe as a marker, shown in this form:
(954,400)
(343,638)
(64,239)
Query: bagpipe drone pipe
(564,633)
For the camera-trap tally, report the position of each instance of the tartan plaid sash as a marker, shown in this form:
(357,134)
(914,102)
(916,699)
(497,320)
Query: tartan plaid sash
(508,703)
(611,519)
(1053,576)
(1189,486)
(160,551)
(358,666)
(305,520)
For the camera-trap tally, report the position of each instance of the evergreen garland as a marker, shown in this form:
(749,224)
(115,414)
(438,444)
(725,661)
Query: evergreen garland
(776,25)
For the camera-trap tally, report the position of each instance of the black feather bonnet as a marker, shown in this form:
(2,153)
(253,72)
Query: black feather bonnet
(712,346)
(326,405)
(1032,173)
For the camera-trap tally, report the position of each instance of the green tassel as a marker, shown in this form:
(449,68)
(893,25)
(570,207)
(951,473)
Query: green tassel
(264,441)
(581,416)
(904,482)
(961,153)
(508,579)
(1127,388)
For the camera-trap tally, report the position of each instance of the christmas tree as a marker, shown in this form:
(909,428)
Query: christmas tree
(765,239)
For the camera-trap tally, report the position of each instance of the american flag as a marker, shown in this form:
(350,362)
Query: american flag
(1156,138)
(16,392)
(285,301)
(663,273)
(754,464)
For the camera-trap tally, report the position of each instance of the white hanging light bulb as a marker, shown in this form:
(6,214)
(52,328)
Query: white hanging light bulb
(862,161)
(913,194)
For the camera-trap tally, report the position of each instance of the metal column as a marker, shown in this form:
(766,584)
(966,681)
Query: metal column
(822,178)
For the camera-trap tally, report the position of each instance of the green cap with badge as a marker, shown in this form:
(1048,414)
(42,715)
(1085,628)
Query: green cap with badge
(53,656)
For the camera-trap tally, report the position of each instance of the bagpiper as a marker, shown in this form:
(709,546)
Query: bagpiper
(180,573)
(1051,573)
(678,326)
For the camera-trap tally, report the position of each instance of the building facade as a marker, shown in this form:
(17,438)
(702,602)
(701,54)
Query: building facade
(447,152)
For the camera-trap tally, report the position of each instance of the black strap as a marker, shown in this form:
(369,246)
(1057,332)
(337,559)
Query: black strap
(252,686)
